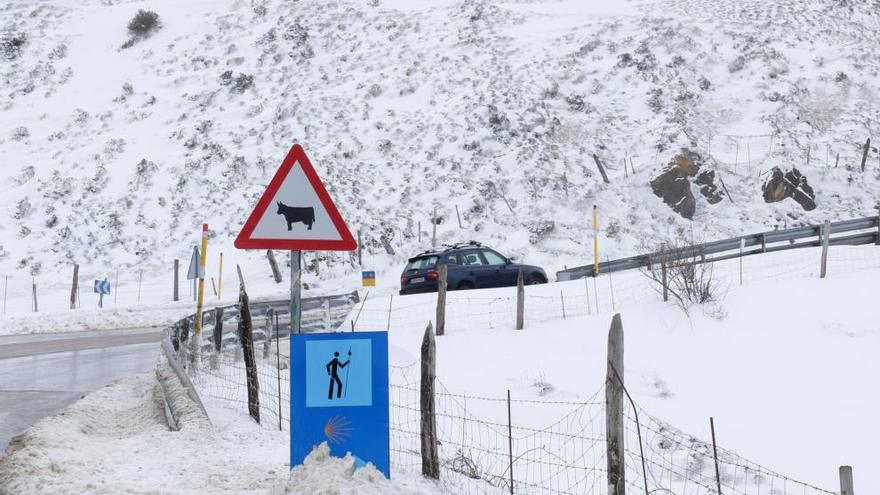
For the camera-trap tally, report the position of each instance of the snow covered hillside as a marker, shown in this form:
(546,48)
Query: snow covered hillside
(113,156)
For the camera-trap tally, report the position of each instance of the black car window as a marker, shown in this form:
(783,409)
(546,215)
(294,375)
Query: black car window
(471,258)
(494,258)
(423,263)
(452,259)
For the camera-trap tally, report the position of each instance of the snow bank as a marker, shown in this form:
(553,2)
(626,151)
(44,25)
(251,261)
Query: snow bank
(116,441)
(322,474)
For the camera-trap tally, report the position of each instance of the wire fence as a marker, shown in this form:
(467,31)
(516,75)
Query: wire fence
(606,293)
(682,464)
(489,444)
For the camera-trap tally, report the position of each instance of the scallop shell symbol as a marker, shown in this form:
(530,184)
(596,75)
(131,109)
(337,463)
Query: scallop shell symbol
(338,429)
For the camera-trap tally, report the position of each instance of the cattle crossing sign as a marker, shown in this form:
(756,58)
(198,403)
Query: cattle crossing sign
(296,212)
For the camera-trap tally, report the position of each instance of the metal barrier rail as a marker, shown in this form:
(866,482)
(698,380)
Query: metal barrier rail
(759,241)
(173,341)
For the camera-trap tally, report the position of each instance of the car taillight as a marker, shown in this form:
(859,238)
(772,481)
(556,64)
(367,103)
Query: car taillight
(432,275)
(402,281)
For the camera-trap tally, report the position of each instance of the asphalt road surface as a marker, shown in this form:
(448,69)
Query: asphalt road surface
(42,374)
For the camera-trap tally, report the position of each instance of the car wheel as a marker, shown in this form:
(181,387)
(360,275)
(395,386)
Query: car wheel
(536,280)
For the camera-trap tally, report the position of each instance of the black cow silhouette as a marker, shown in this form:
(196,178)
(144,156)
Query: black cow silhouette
(293,214)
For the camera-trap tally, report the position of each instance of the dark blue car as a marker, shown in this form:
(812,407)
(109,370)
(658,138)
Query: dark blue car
(468,266)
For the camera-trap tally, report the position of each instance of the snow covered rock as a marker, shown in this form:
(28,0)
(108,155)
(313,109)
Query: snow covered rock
(706,181)
(673,186)
(791,184)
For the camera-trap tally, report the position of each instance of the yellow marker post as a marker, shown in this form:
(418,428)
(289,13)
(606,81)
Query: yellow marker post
(202,263)
(220,281)
(595,240)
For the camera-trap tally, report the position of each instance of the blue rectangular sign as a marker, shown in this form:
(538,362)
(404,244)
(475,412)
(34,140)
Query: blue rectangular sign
(339,395)
(102,287)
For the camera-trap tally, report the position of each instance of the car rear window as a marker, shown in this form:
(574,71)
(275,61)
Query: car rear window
(423,263)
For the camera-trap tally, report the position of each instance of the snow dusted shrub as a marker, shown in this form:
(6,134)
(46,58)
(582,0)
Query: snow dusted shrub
(298,35)
(27,173)
(655,100)
(20,134)
(144,23)
(143,175)
(736,64)
(22,209)
(374,91)
(11,45)
(575,102)
(242,83)
(141,26)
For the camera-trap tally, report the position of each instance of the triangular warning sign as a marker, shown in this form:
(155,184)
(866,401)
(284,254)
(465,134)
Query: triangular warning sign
(296,213)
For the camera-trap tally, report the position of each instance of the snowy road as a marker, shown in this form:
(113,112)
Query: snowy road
(43,374)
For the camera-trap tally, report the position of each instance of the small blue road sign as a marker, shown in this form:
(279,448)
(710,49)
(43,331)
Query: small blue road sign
(102,287)
(339,395)
(369,278)
(193,272)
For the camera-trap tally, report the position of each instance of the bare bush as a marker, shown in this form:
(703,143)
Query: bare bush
(688,277)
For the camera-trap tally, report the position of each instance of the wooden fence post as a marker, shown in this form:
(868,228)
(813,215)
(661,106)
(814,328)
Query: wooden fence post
(826,234)
(601,169)
(509,442)
(430,459)
(218,329)
(360,250)
(715,454)
(434,225)
(276,273)
(245,333)
(877,242)
(441,300)
(457,214)
(74,286)
(176,280)
(846,480)
(865,153)
(520,300)
(614,410)
(36,306)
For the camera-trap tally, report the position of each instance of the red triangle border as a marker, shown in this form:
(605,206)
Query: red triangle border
(296,155)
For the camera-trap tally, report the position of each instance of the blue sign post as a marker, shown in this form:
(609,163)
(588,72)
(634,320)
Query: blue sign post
(339,395)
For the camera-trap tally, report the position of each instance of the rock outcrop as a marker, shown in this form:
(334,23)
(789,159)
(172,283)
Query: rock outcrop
(706,181)
(791,184)
(674,187)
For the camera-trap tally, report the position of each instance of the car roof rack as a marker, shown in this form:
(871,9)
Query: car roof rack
(460,245)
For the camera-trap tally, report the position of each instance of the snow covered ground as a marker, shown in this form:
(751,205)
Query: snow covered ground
(785,364)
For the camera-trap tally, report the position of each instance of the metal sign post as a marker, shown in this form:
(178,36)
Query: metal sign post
(295,291)
(201,274)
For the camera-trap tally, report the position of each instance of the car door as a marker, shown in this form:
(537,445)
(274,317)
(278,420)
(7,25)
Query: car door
(476,268)
(503,273)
